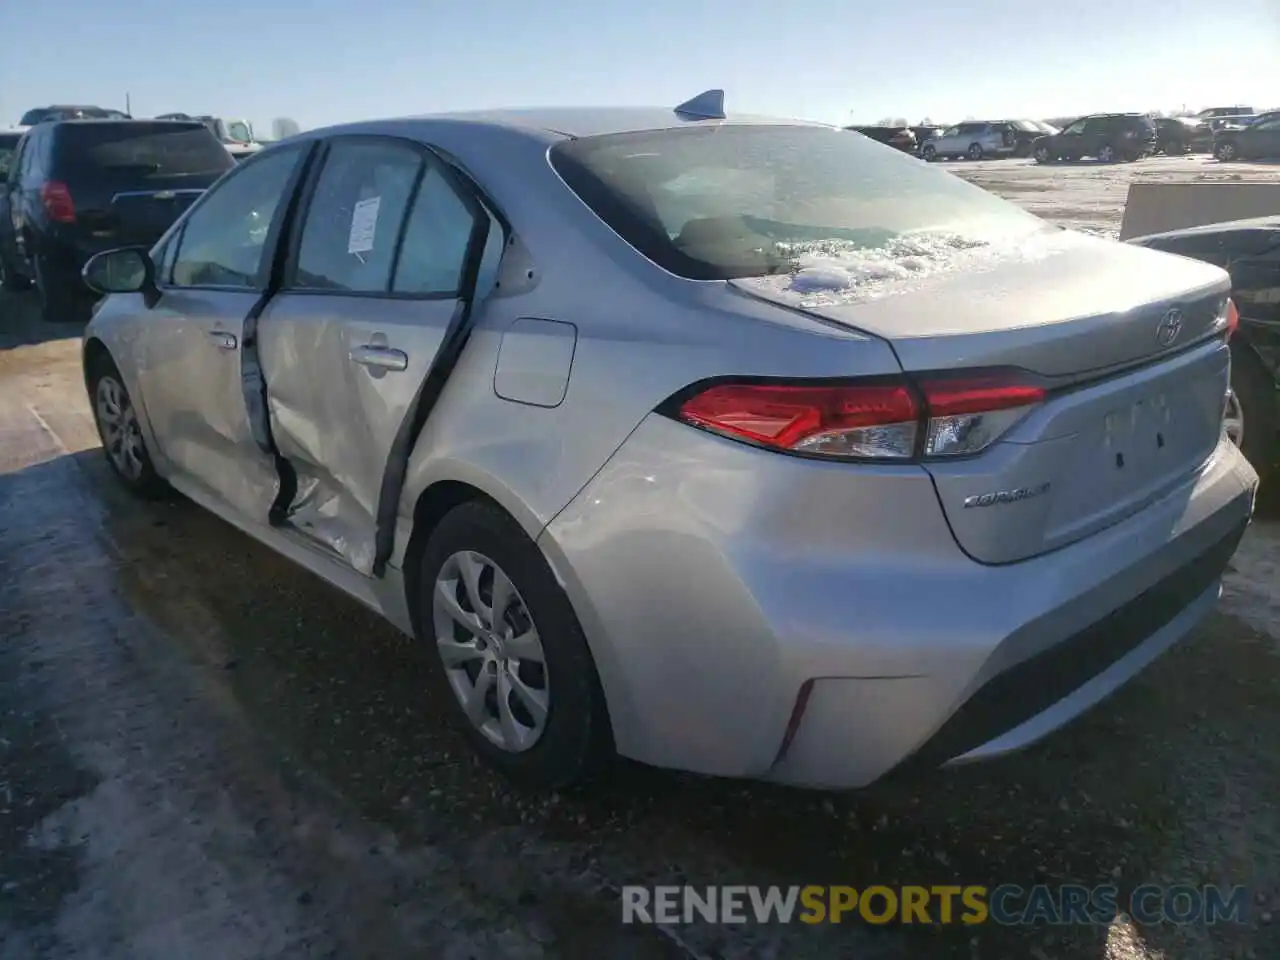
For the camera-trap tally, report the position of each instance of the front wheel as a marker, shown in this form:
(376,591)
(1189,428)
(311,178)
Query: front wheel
(513,658)
(1107,153)
(975,151)
(929,152)
(1250,417)
(1042,155)
(121,434)
(1226,151)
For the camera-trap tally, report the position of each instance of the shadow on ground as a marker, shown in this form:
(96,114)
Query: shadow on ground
(1173,781)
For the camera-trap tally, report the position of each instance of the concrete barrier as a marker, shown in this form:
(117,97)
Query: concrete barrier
(1157,207)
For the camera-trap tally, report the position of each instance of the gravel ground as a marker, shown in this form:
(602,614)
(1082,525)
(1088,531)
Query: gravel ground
(207,753)
(1090,196)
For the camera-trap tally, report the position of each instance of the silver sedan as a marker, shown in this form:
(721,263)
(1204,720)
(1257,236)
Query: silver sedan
(734,445)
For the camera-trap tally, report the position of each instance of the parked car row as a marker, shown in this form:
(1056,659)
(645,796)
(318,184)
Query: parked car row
(1229,133)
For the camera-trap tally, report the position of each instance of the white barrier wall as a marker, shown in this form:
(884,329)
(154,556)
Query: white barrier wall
(1157,207)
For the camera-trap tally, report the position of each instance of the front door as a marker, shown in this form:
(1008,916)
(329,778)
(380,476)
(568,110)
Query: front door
(346,345)
(192,374)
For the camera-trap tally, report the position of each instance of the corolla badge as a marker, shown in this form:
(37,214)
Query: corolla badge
(1169,327)
(1005,496)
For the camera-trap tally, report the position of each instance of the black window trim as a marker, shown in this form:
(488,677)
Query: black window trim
(468,192)
(274,231)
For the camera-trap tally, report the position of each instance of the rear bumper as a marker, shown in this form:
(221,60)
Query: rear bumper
(716,582)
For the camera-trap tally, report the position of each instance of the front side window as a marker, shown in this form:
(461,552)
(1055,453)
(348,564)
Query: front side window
(353,222)
(732,201)
(223,239)
(1075,129)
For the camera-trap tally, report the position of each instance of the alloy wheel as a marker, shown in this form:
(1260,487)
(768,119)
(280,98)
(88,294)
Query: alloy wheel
(491,651)
(118,425)
(1106,153)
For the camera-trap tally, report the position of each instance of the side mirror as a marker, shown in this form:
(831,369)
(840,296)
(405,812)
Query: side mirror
(123,270)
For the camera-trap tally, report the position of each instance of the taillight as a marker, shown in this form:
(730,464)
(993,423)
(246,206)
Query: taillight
(1232,317)
(967,415)
(876,419)
(57,202)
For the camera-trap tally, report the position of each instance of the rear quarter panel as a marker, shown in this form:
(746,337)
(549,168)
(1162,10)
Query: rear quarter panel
(642,335)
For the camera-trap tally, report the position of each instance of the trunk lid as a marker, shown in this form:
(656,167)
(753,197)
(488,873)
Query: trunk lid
(1134,405)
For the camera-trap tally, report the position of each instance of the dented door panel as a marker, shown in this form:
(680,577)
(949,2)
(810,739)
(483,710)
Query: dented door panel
(338,392)
(191,377)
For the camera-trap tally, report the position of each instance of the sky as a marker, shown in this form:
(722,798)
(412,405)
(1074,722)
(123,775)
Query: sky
(837,61)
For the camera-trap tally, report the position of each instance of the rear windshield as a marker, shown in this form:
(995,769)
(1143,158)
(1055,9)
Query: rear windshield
(148,149)
(721,202)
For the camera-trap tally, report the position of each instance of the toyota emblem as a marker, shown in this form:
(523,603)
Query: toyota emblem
(1169,328)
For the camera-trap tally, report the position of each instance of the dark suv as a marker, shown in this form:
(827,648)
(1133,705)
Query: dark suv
(78,187)
(1107,136)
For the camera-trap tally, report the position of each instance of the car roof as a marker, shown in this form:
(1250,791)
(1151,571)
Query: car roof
(569,122)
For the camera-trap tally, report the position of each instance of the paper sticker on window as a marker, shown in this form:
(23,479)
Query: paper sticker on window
(364,224)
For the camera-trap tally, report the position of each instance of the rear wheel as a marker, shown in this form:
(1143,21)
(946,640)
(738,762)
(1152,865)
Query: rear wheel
(1251,418)
(9,279)
(120,432)
(58,303)
(1226,151)
(513,658)
(1107,153)
(929,152)
(975,151)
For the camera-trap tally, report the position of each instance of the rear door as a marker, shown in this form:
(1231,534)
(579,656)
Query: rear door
(194,366)
(131,180)
(375,285)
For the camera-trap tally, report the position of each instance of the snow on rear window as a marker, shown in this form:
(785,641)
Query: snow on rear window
(728,201)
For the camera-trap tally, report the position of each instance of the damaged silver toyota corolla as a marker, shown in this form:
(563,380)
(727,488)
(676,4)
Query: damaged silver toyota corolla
(742,446)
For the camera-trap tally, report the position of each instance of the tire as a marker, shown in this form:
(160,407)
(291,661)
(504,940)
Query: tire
(1042,155)
(1226,151)
(574,738)
(975,151)
(1107,153)
(929,152)
(57,304)
(122,442)
(9,280)
(1255,393)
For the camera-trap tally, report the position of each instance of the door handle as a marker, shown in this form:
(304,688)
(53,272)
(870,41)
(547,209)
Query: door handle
(382,358)
(224,340)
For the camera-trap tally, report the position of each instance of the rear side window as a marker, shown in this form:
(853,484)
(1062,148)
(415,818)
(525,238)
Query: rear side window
(144,149)
(352,226)
(713,203)
(435,241)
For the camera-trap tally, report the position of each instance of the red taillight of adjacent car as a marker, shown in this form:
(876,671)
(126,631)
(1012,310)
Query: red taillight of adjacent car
(866,420)
(1233,318)
(57,202)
